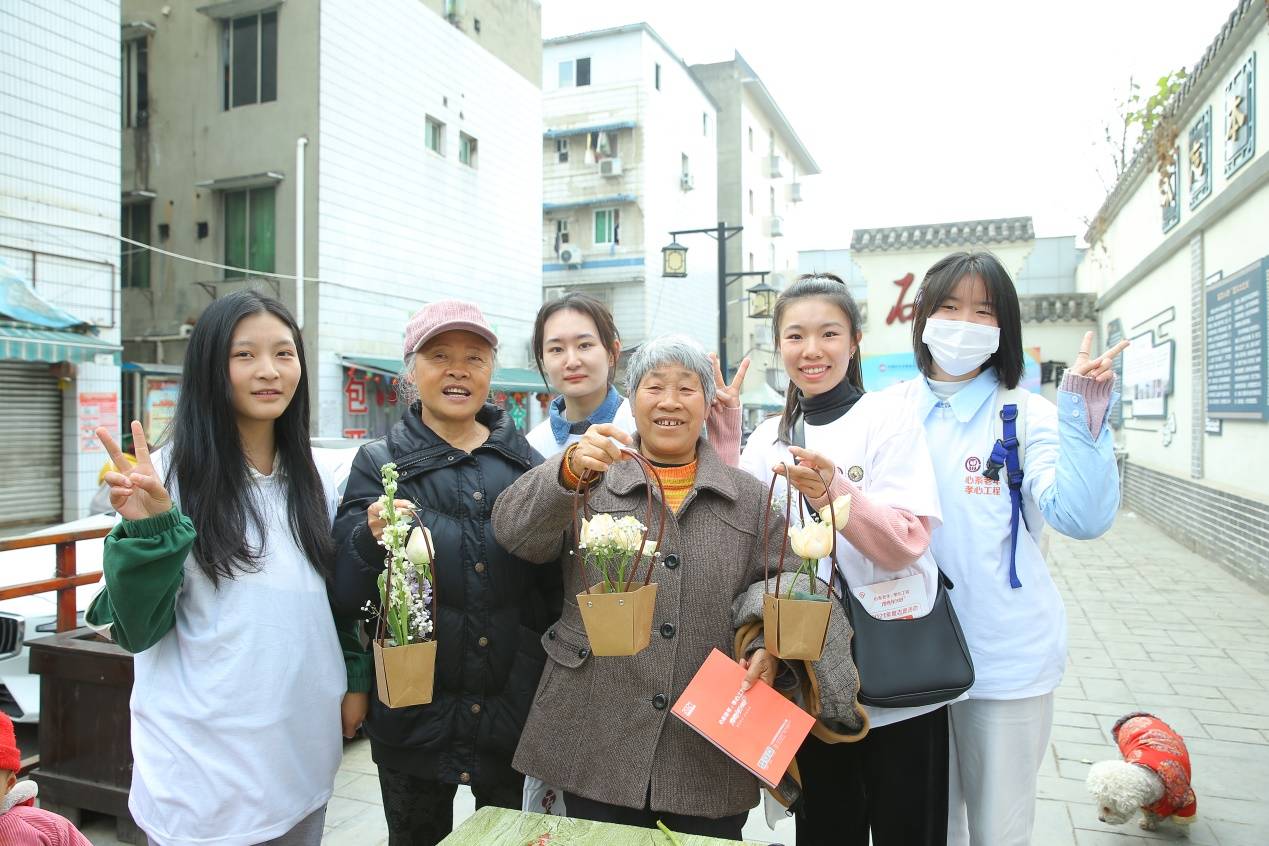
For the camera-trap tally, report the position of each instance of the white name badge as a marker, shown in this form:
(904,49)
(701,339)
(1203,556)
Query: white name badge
(897,599)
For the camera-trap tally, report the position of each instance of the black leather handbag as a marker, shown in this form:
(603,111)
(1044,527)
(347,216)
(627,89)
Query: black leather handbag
(905,663)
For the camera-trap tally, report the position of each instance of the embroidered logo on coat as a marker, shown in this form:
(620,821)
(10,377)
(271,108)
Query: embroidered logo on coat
(973,464)
(855,474)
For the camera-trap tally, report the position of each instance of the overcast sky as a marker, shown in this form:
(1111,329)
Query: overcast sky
(925,111)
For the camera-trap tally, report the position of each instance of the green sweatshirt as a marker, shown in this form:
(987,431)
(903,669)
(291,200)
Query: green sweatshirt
(144,563)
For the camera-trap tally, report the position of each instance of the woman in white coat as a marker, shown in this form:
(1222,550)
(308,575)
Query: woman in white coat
(893,783)
(967,336)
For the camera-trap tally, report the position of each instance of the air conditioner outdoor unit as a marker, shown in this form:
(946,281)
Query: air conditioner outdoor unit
(795,192)
(686,182)
(570,255)
(610,167)
(776,167)
(777,226)
(763,336)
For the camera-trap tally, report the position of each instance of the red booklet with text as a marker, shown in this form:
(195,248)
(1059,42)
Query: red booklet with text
(759,729)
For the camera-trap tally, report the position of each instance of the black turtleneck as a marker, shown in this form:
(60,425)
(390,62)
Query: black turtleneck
(830,405)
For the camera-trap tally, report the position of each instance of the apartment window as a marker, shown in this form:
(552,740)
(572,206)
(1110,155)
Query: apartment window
(772,190)
(134,260)
(136,82)
(751,262)
(250,230)
(607,226)
(561,234)
(771,141)
(751,201)
(561,150)
(705,124)
(751,139)
(466,149)
(603,143)
(575,72)
(685,165)
(434,135)
(249,52)
(657,76)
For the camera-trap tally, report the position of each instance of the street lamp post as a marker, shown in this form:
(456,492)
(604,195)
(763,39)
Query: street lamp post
(674,265)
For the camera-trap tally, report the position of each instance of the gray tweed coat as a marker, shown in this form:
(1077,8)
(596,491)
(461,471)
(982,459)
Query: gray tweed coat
(601,727)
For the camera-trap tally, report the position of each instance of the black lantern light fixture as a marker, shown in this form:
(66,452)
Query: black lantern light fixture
(762,298)
(674,260)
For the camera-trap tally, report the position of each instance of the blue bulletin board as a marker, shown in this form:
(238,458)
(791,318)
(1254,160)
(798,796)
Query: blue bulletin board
(1236,336)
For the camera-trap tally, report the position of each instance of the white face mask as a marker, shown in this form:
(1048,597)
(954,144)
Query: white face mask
(959,347)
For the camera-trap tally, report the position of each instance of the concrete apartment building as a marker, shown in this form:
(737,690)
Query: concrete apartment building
(1179,262)
(628,155)
(387,158)
(761,167)
(59,254)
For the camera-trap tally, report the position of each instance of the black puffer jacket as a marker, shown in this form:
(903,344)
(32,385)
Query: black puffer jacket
(492,606)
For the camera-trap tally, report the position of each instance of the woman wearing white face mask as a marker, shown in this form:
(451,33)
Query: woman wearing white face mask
(967,336)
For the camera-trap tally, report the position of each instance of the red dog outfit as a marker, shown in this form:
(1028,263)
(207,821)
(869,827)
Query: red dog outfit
(1147,741)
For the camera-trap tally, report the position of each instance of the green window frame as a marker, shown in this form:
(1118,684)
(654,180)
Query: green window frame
(607,226)
(250,230)
(134,261)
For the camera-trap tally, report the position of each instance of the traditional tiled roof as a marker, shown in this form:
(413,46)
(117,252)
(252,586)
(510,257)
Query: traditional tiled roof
(1144,156)
(963,233)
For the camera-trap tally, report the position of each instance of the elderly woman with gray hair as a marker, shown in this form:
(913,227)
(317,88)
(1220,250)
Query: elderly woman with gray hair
(600,728)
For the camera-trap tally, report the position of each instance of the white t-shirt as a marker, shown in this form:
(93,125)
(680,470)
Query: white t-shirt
(236,710)
(1017,637)
(882,451)
(542,439)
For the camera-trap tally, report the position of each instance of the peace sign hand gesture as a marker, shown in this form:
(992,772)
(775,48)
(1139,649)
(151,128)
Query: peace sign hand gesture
(725,395)
(1100,368)
(135,492)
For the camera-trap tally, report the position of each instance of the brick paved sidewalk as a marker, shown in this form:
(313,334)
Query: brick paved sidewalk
(1153,627)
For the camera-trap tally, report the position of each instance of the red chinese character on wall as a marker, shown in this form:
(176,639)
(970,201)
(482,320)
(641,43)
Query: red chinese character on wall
(355,390)
(901,311)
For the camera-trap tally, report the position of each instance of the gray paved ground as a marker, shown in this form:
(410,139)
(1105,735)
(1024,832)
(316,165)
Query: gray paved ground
(1153,627)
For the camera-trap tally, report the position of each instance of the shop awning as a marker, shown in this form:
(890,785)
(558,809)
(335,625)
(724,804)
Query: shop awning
(31,343)
(508,379)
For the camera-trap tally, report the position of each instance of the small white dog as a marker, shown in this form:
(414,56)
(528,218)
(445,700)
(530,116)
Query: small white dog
(1153,775)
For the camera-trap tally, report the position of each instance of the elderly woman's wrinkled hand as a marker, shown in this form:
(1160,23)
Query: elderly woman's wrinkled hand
(761,665)
(597,450)
(375,519)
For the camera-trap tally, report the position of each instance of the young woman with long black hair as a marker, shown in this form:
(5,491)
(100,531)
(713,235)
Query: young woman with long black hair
(892,784)
(967,338)
(216,580)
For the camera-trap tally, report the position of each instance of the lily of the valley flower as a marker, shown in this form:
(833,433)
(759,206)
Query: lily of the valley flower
(840,510)
(812,541)
(419,547)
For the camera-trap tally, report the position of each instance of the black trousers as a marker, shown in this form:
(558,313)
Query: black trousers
(728,828)
(420,812)
(892,783)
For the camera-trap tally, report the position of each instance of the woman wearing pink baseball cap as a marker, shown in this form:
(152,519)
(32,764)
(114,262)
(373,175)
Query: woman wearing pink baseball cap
(455,454)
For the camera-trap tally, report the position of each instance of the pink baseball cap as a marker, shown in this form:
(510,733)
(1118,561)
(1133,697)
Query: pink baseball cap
(446,316)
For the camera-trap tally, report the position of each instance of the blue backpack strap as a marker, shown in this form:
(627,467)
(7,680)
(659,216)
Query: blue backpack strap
(1009,446)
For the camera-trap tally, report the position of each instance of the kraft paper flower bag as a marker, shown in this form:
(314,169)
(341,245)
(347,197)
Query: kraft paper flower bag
(795,622)
(404,646)
(618,620)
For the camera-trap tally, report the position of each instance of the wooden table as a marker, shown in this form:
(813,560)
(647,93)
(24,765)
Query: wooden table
(85,729)
(501,827)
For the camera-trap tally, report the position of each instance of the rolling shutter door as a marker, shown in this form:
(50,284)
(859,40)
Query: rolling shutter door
(30,445)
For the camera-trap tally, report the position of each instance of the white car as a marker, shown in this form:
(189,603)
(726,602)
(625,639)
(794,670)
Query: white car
(29,617)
